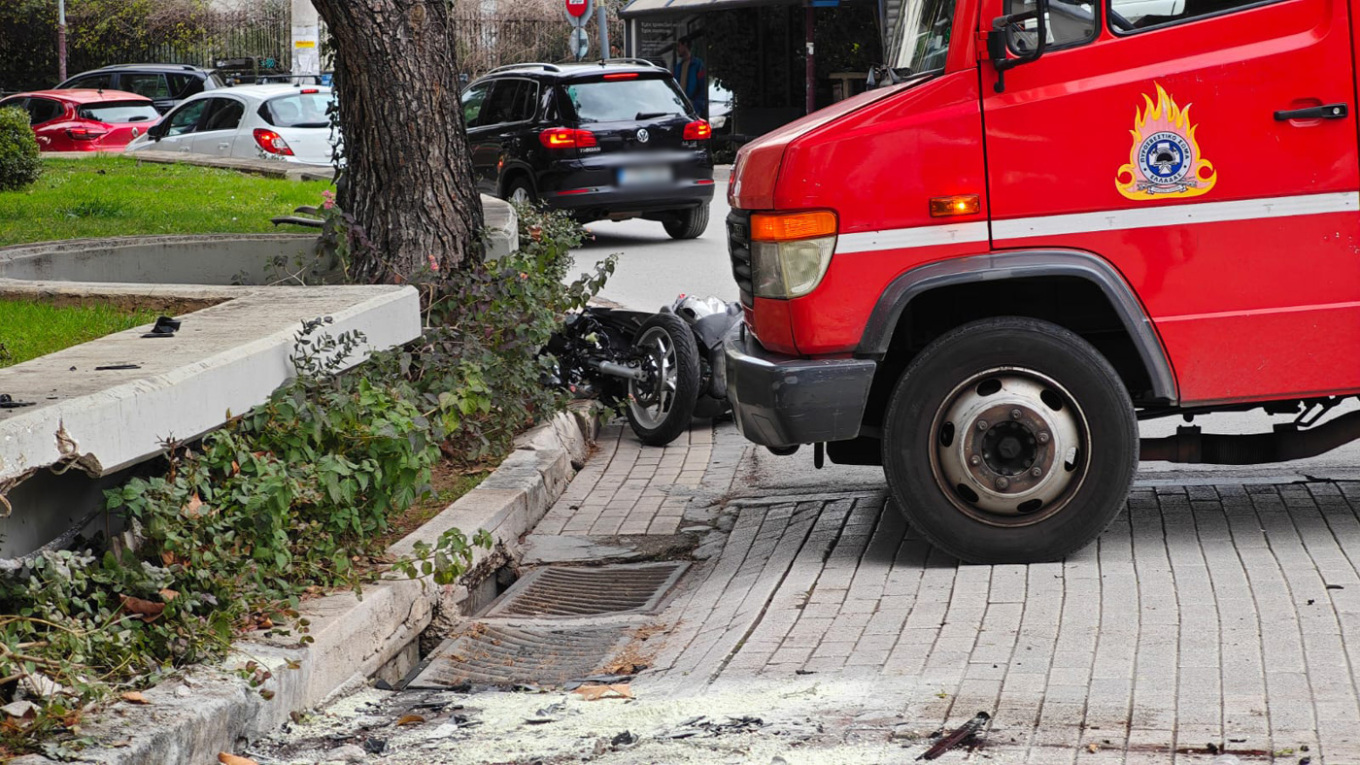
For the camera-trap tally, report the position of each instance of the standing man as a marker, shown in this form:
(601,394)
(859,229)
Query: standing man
(692,77)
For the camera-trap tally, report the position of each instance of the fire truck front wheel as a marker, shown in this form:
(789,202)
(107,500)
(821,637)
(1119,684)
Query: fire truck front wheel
(1010,440)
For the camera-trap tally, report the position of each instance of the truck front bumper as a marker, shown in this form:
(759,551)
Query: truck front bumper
(783,401)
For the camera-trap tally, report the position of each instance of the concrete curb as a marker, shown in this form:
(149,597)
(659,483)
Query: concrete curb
(213,710)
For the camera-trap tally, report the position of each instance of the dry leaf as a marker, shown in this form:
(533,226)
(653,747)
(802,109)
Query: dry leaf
(597,692)
(1093,747)
(195,507)
(231,759)
(169,595)
(145,609)
(168,558)
(135,697)
(410,720)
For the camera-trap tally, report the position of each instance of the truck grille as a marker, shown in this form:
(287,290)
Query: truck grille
(739,247)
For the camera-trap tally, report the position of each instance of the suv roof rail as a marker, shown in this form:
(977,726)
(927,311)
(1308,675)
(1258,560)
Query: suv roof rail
(186,67)
(535,65)
(629,60)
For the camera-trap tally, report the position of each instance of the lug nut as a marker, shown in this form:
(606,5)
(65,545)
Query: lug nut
(1036,472)
(1016,414)
(975,460)
(1043,438)
(1003,483)
(981,424)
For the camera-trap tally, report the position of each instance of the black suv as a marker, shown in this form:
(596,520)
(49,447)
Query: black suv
(165,84)
(611,139)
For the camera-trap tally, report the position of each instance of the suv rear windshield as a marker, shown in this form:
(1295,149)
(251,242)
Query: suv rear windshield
(624,100)
(119,112)
(297,110)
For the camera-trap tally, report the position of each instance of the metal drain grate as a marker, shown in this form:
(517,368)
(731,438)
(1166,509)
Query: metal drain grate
(491,654)
(561,592)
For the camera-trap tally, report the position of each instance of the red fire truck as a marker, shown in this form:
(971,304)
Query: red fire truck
(1057,218)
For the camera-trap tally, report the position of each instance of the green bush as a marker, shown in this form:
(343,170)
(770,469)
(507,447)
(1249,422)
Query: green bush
(294,497)
(19,163)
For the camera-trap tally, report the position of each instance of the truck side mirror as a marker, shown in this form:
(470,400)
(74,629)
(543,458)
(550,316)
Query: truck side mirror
(1009,33)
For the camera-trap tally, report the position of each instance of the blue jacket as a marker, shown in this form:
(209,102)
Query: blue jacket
(695,84)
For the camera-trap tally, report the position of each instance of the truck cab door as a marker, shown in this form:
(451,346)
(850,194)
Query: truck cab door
(1208,151)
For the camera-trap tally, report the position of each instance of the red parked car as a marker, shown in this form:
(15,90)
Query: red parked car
(85,120)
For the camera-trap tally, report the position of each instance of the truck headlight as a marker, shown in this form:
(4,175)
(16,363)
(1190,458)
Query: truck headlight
(790,252)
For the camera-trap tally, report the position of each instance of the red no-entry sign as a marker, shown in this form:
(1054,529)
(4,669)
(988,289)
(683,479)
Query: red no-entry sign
(578,11)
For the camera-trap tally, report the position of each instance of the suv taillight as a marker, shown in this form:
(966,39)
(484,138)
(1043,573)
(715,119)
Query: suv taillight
(567,138)
(272,142)
(699,130)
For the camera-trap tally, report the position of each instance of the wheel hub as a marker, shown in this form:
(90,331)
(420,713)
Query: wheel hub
(1009,443)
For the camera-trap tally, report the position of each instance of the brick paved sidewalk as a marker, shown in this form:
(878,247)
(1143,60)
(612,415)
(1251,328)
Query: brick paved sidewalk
(1206,614)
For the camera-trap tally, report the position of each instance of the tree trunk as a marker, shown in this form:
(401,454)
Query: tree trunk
(409,171)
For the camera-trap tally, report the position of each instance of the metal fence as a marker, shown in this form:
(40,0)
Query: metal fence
(200,37)
(486,41)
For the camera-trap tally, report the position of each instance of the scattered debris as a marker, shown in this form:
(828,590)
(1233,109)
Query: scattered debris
(20,709)
(626,738)
(164,327)
(347,753)
(410,720)
(8,402)
(231,759)
(1335,587)
(117,367)
(145,610)
(701,725)
(375,745)
(135,697)
(958,736)
(597,692)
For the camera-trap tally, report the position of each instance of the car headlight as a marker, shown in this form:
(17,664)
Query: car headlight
(791,252)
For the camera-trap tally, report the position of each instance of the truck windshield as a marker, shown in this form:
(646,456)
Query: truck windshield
(918,38)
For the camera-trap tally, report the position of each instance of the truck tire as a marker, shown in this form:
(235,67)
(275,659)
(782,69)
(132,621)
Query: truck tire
(690,224)
(1010,440)
(661,405)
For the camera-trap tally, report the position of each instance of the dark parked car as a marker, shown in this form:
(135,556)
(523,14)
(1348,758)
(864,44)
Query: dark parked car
(613,139)
(165,84)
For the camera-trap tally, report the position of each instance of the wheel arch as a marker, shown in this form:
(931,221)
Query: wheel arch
(514,171)
(1074,289)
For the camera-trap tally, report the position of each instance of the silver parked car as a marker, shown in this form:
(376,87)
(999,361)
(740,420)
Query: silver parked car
(283,122)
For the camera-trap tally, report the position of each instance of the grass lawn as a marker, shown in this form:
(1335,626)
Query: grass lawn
(112,195)
(29,330)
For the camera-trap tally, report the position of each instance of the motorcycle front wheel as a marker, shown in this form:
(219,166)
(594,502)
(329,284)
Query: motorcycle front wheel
(661,404)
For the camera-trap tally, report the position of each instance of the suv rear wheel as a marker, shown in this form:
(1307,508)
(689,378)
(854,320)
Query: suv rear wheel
(520,191)
(689,224)
(1010,440)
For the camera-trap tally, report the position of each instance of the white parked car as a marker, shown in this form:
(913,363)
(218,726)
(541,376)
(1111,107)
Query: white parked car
(283,122)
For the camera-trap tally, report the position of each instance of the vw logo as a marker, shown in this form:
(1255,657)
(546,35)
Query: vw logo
(643,136)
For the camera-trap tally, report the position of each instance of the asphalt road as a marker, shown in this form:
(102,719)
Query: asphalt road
(653,269)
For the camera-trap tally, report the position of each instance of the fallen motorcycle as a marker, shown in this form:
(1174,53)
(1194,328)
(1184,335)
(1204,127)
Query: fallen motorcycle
(665,367)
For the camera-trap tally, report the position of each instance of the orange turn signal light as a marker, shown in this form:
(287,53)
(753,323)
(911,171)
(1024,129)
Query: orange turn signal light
(783,227)
(963,204)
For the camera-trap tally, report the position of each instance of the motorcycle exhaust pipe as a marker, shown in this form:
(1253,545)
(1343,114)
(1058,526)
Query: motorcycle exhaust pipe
(619,370)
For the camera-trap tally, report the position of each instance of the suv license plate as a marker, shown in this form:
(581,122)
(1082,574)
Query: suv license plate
(644,176)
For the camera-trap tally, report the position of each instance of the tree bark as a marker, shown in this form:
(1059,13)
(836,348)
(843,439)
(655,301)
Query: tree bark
(409,170)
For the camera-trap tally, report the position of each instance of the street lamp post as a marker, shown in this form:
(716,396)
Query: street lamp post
(61,40)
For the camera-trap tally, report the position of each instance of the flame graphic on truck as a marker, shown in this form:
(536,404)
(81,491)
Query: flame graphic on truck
(1165,161)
